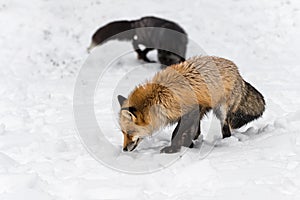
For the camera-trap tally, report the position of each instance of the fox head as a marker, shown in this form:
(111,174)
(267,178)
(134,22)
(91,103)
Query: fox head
(133,124)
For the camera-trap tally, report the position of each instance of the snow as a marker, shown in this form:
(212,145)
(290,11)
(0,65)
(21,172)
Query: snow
(43,50)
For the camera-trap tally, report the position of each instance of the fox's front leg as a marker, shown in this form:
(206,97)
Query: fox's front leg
(175,143)
(187,129)
(142,54)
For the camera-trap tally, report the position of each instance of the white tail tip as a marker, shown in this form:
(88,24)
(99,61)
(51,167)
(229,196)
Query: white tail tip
(92,45)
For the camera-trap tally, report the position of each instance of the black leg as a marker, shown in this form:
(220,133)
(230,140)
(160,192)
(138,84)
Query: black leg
(168,58)
(175,145)
(226,130)
(145,51)
(142,54)
(144,57)
(136,47)
(187,129)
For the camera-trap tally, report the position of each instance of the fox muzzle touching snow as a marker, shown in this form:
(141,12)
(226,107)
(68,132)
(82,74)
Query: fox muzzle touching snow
(184,93)
(130,142)
(132,126)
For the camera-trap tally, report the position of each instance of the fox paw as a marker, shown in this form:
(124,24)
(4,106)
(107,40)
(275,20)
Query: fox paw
(189,145)
(170,149)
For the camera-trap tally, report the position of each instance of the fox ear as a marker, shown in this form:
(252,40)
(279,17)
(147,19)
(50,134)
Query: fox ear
(121,99)
(129,115)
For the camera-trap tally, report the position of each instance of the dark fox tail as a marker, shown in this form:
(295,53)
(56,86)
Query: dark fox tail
(251,107)
(119,30)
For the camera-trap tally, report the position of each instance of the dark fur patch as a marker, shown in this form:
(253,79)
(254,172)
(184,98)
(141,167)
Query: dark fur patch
(251,107)
(112,30)
(255,93)
(168,58)
(239,119)
(226,131)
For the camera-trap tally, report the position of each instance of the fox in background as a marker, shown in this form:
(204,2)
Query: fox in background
(168,38)
(184,93)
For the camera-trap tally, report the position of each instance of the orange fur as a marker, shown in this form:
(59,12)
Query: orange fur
(210,82)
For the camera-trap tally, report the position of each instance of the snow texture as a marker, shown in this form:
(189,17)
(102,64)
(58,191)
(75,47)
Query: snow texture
(43,47)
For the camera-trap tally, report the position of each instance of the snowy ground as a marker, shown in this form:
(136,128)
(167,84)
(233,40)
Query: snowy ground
(43,46)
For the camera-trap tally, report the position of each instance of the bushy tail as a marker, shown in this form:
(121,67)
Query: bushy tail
(251,107)
(119,30)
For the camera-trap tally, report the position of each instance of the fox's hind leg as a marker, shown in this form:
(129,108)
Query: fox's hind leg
(221,113)
(226,132)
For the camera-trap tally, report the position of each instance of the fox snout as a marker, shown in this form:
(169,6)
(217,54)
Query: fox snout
(129,143)
(130,147)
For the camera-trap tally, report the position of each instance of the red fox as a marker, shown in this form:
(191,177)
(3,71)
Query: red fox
(168,51)
(183,93)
